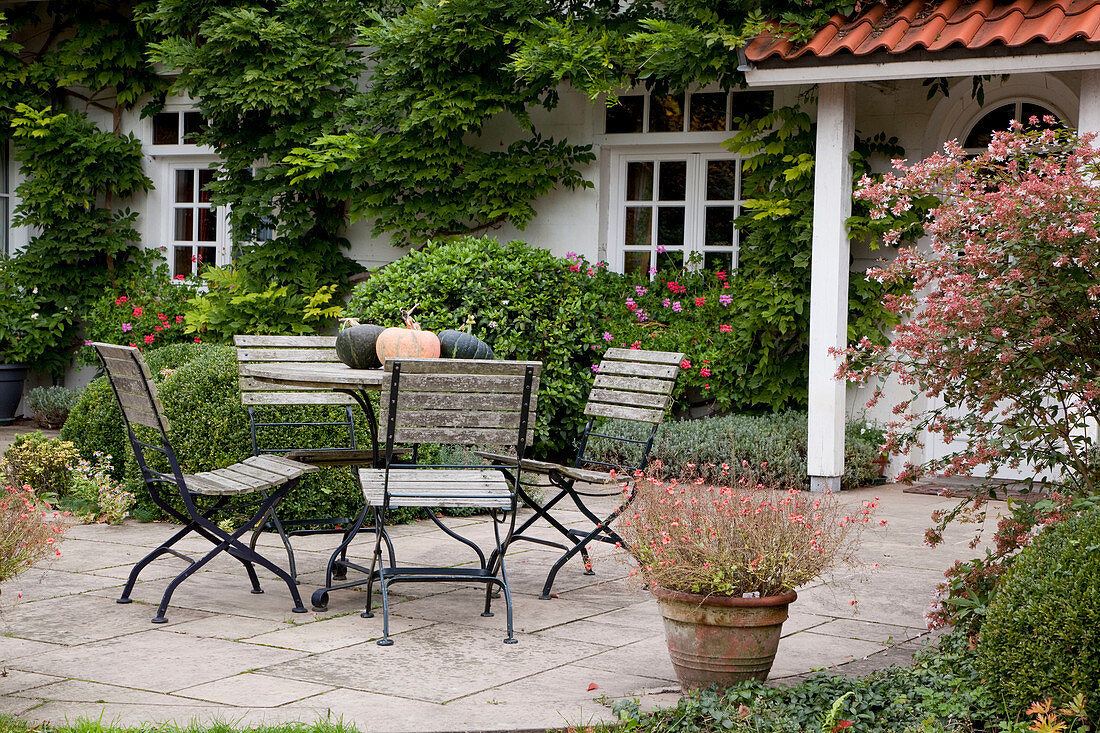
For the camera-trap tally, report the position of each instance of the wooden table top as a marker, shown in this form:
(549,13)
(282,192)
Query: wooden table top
(326,375)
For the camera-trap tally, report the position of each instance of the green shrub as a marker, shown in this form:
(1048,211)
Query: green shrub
(522,301)
(42,463)
(51,405)
(1042,635)
(768,449)
(940,691)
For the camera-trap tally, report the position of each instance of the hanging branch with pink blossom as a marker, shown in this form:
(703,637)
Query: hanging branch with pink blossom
(1000,336)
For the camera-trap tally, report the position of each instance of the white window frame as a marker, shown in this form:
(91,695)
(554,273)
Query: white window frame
(6,198)
(695,203)
(1018,103)
(180,148)
(222,243)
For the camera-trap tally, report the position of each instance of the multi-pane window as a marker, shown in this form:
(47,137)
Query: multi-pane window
(196,234)
(688,112)
(5,199)
(676,210)
(177,128)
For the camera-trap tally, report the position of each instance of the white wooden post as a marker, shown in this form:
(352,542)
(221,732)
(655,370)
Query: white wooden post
(829,283)
(1088,120)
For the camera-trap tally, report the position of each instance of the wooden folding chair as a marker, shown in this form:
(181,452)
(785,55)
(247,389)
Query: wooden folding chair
(204,494)
(632,385)
(452,402)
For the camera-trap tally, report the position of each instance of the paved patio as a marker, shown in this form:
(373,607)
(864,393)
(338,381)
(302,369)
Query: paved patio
(67,650)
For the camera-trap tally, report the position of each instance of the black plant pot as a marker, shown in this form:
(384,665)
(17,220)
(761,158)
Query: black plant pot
(11,390)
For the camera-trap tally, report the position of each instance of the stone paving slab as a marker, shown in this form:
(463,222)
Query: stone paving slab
(453,660)
(69,651)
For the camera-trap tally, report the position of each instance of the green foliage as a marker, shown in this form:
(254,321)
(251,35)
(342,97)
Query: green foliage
(51,405)
(235,303)
(524,302)
(767,449)
(410,148)
(32,331)
(1041,638)
(266,76)
(941,691)
(42,463)
(144,309)
(73,172)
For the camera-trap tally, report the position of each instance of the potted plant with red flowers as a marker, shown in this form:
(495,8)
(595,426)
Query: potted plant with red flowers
(724,562)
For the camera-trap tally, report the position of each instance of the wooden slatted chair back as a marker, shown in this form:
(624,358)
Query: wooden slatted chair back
(633,384)
(276,350)
(133,385)
(459,401)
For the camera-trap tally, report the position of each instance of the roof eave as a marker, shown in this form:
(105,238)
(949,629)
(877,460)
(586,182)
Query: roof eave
(921,64)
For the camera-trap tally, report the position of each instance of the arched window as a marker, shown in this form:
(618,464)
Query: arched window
(982,132)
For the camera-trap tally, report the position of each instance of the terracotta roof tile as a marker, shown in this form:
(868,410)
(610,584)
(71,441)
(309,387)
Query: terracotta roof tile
(936,26)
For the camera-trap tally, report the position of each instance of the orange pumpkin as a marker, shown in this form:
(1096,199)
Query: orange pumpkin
(411,341)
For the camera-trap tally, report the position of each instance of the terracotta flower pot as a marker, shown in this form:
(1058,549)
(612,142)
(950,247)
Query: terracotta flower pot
(721,640)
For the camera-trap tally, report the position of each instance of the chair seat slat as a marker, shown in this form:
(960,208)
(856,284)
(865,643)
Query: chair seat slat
(635,384)
(459,384)
(643,355)
(292,355)
(634,399)
(250,340)
(457,419)
(460,436)
(623,412)
(413,400)
(296,398)
(631,369)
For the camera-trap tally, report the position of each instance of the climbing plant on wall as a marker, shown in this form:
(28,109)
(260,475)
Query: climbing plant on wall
(60,62)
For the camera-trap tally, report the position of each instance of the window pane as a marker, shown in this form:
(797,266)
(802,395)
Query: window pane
(183,264)
(193,123)
(670,226)
(715,261)
(166,128)
(638,219)
(639,181)
(719,232)
(673,180)
(185,224)
(208,225)
(1030,110)
(708,111)
(721,180)
(673,259)
(750,105)
(666,114)
(982,132)
(627,115)
(205,176)
(635,262)
(4,226)
(207,256)
(185,186)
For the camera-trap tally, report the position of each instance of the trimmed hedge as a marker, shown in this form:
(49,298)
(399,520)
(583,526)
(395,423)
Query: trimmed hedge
(1042,635)
(744,443)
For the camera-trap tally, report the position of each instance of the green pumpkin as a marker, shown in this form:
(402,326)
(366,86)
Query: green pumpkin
(459,345)
(355,346)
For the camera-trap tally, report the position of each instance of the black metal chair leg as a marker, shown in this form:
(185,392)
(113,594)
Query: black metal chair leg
(385,640)
(163,549)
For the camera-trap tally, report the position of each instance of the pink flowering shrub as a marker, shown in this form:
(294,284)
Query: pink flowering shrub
(1001,333)
(146,312)
(730,540)
(1003,327)
(29,530)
